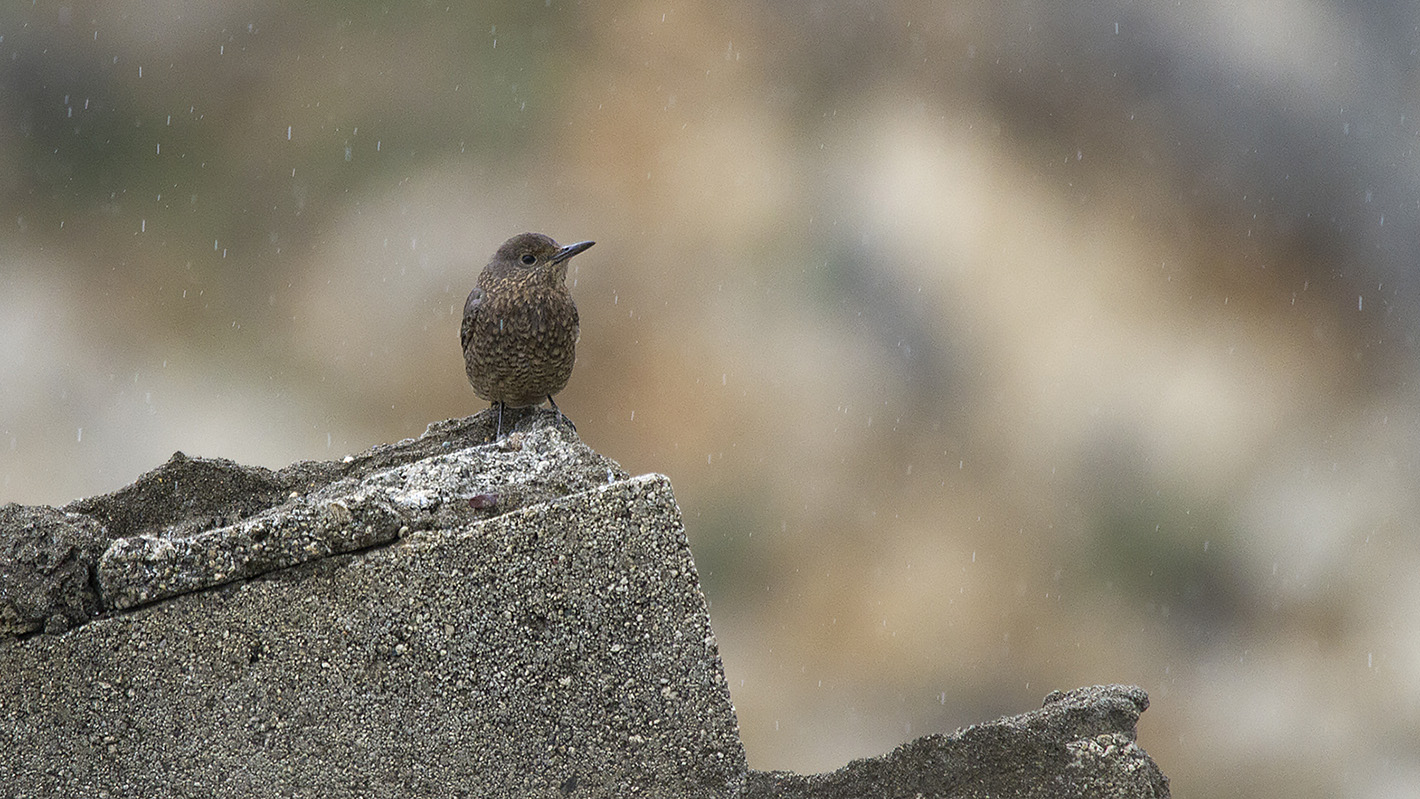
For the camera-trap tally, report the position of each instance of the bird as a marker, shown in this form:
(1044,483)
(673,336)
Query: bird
(520,327)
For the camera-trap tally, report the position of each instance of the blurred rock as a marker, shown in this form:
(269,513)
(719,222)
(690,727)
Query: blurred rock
(431,618)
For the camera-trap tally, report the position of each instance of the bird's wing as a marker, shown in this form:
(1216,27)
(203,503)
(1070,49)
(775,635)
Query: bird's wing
(470,309)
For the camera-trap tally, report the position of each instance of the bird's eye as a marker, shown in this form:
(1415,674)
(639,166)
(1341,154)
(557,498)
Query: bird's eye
(529,258)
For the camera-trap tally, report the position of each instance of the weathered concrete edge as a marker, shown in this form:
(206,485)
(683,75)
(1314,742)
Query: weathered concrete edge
(343,517)
(192,524)
(1080,743)
(137,570)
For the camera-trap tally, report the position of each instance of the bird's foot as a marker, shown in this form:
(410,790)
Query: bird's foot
(561,415)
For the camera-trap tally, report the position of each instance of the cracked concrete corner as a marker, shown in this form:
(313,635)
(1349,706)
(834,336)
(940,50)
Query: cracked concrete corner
(560,647)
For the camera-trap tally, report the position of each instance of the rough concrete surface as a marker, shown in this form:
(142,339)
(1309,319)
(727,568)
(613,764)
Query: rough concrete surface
(440,617)
(561,649)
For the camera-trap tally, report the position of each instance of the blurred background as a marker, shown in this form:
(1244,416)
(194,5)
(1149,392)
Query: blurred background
(992,348)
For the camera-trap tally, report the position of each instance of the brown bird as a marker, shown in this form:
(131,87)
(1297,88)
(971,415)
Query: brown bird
(519,330)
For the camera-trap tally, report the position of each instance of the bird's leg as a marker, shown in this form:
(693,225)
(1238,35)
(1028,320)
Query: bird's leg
(560,414)
(499,434)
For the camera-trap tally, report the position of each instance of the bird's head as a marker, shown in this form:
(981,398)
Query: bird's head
(529,254)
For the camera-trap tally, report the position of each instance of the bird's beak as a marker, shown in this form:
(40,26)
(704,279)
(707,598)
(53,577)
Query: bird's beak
(571,250)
